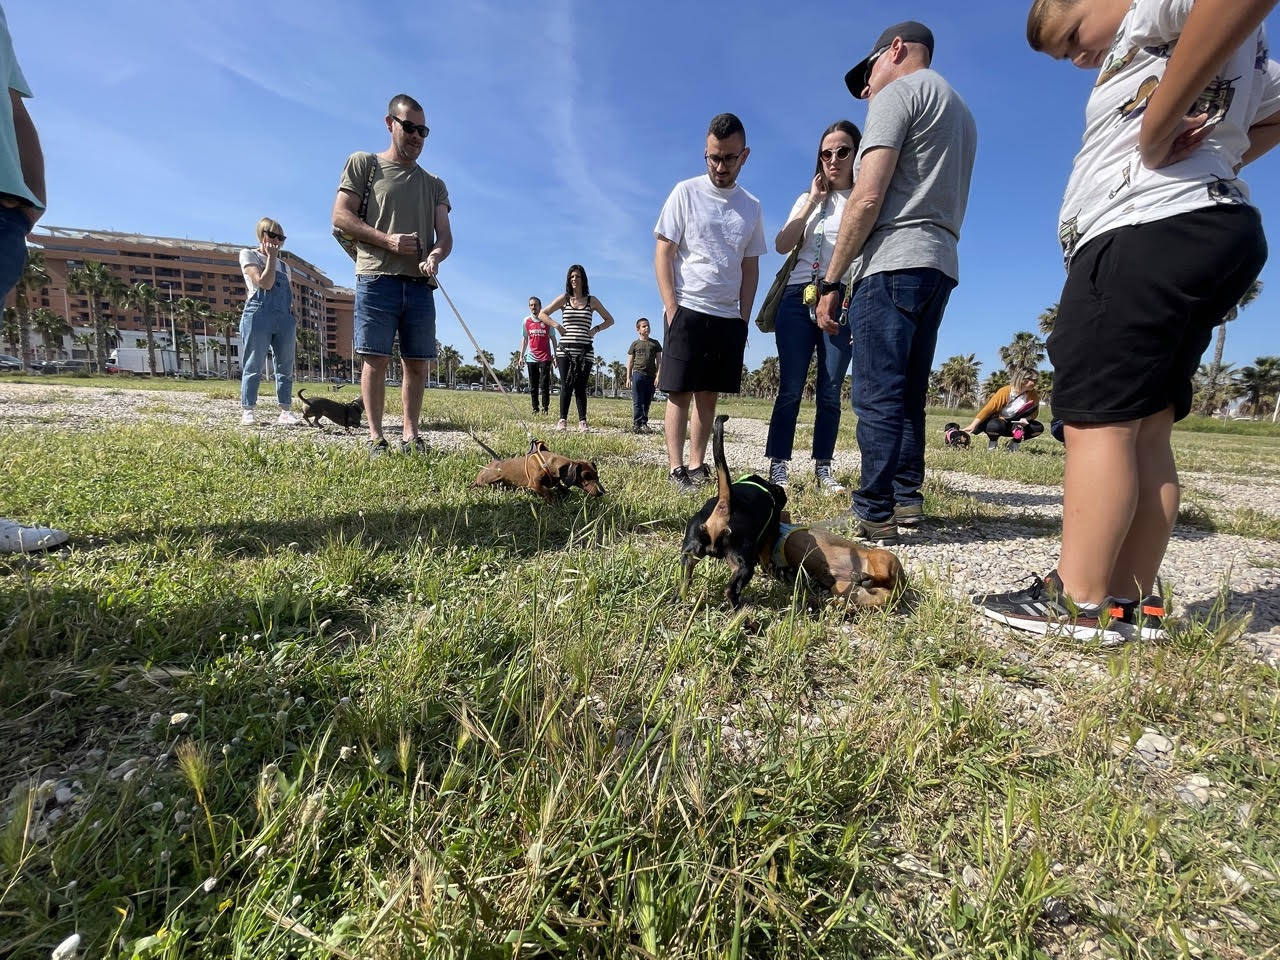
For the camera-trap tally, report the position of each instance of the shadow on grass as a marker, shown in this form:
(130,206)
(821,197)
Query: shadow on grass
(1261,605)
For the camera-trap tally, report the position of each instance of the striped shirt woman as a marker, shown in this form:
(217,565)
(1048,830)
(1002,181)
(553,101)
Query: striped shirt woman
(576,306)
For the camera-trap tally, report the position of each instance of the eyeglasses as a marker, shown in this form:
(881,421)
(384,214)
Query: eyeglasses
(728,160)
(839,153)
(274,236)
(421,129)
(871,60)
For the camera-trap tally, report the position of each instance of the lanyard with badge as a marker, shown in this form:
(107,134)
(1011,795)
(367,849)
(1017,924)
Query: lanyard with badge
(810,296)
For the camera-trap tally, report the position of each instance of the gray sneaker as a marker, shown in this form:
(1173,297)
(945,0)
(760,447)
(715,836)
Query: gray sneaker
(852,525)
(378,448)
(827,481)
(778,473)
(414,445)
(1014,446)
(679,478)
(702,476)
(908,514)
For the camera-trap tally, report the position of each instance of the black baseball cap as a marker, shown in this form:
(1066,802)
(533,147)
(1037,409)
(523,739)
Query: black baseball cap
(909,30)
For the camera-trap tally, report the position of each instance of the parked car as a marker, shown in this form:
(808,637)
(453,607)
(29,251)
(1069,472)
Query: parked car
(9,362)
(65,366)
(392,382)
(460,386)
(477,386)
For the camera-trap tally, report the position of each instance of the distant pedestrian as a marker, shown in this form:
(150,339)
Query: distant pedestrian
(576,306)
(538,347)
(1010,413)
(815,222)
(644,359)
(267,322)
(401,242)
(710,236)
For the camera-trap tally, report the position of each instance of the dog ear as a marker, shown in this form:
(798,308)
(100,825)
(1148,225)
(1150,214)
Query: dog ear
(569,472)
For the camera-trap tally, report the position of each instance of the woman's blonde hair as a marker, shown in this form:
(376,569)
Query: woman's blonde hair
(265,224)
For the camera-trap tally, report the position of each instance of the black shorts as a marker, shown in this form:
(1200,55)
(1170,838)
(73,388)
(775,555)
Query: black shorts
(1139,307)
(702,353)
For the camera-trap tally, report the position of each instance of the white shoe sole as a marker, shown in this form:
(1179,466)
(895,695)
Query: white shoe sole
(1107,636)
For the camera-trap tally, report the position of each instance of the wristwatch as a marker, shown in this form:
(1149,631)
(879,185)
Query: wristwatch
(825,287)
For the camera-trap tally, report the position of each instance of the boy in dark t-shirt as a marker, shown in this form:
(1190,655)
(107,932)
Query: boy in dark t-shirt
(643,359)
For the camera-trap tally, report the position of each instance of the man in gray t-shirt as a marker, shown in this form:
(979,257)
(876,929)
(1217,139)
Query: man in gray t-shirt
(897,243)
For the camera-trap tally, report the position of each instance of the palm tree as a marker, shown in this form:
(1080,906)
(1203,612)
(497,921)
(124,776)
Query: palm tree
(145,298)
(959,378)
(1023,355)
(87,341)
(190,310)
(224,324)
(769,377)
(1048,317)
(12,333)
(50,326)
(515,365)
(617,370)
(995,380)
(450,355)
(1259,382)
(33,277)
(1214,394)
(93,280)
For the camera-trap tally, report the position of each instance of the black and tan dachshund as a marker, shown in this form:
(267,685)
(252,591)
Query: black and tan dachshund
(740,524)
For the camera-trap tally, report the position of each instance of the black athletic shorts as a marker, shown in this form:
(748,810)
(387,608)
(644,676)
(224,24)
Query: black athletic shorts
(702,353)
(1139,307)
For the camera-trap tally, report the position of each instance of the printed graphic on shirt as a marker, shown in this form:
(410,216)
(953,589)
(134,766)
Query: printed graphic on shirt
(1068,236)
(1114,65)
(1125,180)
(1134,106)
(1225,191)
(1216,99)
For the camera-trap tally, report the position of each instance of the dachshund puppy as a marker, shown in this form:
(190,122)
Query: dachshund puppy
(866,577)
(345,415)
(545,473)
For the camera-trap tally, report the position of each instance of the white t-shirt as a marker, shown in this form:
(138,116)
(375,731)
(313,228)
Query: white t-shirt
(714,229)
(1109,186)
(252,256)
(821,231)
(11,179)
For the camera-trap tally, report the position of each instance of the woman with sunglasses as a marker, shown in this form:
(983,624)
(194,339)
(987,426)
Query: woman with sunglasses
(576,306)
(267,322)
(814,224)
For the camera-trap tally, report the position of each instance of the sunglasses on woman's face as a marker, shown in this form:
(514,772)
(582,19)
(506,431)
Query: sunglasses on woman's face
(421,129)
(839,153)
(275,236)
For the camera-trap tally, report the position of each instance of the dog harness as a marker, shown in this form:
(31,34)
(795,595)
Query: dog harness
(779,556)
(751,481)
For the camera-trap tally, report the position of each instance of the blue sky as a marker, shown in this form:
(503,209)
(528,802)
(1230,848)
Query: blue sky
(559,127)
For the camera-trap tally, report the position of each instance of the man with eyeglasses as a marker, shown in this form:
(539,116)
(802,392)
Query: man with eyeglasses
(710,236)
(901,226)
(398,215)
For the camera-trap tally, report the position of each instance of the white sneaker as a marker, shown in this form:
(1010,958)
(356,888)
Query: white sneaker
(287,418)
(827,481)
(246,419)
(778,473)
(562,426)
(15,538)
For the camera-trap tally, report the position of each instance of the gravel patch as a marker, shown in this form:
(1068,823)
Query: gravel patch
(985,555)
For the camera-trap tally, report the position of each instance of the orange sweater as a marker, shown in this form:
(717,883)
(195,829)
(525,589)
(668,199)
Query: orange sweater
(1001,398)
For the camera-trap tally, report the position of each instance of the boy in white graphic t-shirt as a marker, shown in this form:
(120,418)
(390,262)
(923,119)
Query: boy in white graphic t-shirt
(1155,259)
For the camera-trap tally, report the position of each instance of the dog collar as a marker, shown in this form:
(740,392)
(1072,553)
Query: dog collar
(751,481)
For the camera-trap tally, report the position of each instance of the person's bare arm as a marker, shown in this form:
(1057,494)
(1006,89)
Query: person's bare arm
(606,317)
(629,359)
(346,217)
(1213,31)
(859,218)
(750,281)
(29,153)
(545,313)
(1263,135)
(524,341)
(664,268)
(793,229)
(444,243)
(264,277)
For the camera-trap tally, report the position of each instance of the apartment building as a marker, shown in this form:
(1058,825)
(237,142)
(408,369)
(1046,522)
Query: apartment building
(178,268)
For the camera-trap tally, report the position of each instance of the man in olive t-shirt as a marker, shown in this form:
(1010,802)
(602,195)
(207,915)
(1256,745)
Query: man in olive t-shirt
(400,243)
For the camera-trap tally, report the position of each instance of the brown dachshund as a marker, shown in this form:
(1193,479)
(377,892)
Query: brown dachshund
(545,473)
(869,577)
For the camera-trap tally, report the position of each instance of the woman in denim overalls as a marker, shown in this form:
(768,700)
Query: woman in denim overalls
(267,322)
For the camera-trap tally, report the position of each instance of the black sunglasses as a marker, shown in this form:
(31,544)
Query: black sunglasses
(421,129)
(838,153)
(274,236)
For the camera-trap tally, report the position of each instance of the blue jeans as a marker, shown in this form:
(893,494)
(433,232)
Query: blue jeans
(641,397)
(14,227)
(260,329)
(798,336)
(894,318)
(387,305)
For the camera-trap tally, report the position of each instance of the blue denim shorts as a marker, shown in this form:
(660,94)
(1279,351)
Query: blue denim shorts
(387,304)
(14,227)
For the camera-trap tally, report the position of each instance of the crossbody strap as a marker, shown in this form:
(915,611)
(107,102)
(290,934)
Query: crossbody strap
(368,187)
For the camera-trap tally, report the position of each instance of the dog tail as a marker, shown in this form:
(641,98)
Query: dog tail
(717,525)
(300,396)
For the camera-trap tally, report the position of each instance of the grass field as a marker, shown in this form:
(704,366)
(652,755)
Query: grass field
(282,701)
